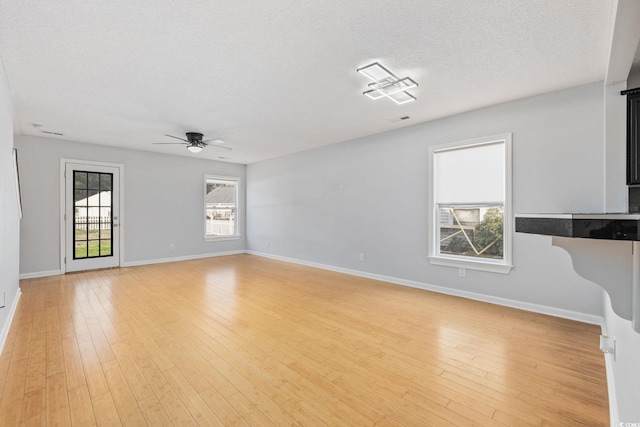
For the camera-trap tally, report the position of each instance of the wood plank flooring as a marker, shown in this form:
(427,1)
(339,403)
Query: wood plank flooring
(249,341)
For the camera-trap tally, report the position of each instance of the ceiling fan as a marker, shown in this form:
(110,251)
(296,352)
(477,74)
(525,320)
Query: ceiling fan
(195,143)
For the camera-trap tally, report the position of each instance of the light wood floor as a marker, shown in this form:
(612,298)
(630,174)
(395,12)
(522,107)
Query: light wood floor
(244,340)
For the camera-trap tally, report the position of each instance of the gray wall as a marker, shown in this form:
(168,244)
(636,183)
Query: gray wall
(369,196)
(163,202)
(9,220)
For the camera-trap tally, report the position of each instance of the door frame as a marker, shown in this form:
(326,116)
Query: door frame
(63,202)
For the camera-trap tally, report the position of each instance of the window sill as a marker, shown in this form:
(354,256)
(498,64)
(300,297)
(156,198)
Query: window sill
(220,238)
(471,264)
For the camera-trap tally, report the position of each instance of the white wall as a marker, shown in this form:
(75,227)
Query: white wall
(623,372)
(9,219)
(163,202)
(634,80)
(369,196)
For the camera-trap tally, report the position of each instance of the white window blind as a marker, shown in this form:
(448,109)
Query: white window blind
(473,174)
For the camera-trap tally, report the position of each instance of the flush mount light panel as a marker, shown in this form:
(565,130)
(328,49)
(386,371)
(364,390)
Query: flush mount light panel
(386,84)
(376,72)
(389,87)
(402,97)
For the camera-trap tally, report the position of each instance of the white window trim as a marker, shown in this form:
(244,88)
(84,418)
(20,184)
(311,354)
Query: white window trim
(237,234)
(503,266)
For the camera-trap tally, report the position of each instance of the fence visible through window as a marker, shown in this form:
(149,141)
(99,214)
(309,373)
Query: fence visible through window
(93,223)
(220,221)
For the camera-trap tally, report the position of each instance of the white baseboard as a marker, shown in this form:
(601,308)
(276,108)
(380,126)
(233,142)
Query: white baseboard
(135,263)
(536,308)
(12,311)
(40,274)
(182,258)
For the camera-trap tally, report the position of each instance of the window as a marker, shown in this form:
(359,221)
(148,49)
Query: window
(470,204)
(221,208)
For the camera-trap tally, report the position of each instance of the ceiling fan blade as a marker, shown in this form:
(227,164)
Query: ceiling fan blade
(214,141)
(176,137)
(218,146)
(170,143)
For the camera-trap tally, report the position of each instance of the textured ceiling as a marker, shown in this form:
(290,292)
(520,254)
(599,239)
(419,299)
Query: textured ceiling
(276,77)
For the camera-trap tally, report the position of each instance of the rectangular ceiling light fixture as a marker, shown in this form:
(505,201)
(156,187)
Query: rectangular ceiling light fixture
(387,85)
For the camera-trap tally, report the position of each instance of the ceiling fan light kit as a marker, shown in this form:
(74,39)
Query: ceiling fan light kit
(386,84)
(194,148)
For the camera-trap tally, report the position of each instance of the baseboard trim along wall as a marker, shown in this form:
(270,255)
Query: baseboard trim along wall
(536,308)
(12,311)
(182,258)
(40,274)
(136,263)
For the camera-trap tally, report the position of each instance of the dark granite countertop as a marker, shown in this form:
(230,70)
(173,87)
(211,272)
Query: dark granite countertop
(609,226)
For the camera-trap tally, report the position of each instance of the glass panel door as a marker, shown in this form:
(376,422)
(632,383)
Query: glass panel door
(91,216)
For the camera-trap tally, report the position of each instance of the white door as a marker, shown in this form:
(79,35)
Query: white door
(92,212)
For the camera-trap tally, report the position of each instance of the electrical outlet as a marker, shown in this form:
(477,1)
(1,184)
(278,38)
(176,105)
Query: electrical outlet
(268,243)
(462,272)
(608,345)
(362,256)
(172,246)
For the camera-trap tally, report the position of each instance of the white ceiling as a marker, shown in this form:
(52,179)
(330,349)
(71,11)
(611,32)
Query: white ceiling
(276,77)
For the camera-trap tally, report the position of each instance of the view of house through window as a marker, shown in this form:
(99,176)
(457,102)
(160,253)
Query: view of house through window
(470,199)
(221,196)
(475,231)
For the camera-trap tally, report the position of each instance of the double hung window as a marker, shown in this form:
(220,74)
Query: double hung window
(470,204)
(221,208)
